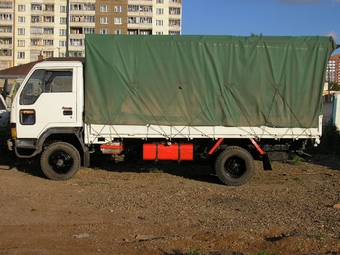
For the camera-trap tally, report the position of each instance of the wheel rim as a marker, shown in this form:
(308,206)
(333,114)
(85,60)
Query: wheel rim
(61,162)
(235,167)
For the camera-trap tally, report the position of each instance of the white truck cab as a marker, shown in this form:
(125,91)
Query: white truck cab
(49,102)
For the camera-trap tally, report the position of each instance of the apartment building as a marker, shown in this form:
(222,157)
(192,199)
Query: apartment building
(57,28)
(333,69)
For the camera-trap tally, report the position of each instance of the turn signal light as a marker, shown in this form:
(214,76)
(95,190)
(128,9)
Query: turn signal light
(13,130)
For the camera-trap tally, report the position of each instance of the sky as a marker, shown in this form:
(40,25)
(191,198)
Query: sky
(266,17)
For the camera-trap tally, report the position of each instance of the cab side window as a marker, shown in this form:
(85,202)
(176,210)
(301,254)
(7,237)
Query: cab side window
(58,81)
(45,81)
(32,89)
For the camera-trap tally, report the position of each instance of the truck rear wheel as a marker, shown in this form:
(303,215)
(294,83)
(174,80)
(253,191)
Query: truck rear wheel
(234,166)
(60,161)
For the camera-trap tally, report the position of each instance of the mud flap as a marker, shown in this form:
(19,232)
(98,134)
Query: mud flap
(266,163)
(264,156)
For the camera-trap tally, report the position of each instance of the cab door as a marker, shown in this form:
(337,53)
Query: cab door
(48,99)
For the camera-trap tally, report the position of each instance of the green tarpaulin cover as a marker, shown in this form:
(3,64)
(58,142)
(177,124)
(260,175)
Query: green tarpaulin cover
(205,80)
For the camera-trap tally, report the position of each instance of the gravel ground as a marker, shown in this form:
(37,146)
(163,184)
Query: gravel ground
(171,209)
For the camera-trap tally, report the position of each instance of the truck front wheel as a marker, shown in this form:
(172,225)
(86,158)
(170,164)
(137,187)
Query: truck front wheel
(234,166)
(60,161)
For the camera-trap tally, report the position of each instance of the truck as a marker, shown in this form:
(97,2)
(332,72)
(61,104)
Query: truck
(226,100)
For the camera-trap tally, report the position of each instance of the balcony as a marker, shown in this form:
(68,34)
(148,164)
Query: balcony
(141,2)
(140,14)
(6,34)
(178,5)
(77,36)
(6,22)
(139,26)
(83,12)
(6,46)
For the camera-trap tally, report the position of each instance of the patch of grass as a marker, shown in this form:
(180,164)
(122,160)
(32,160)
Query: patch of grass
(267,252)
(195,252)
(297,160)
(34,210)
(316,237)
(142,217)
(297,179)
(156,170)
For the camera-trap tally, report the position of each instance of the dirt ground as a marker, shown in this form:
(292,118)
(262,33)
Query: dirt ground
(171,209)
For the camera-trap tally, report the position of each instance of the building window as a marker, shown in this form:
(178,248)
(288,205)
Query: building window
(5,16)
(174,32)
(21,54)
(160,1)
(118,31)
(35,42)
(145,8)
(159,33)
(133,20)
(21,31)
(89,19)
(34,19)
(63,20)
(21,19)
(173,1)
(175,11)
(36,7)
(49,7)
(21,43)
(6,29)
(63,8)
(104,8)
(118,8)
(88,30)
(62,43)
(145,32)
(103,20)
(174,22)
(76,42)
(159,23)
(144,20)
(7,41)
(48,30)
(62,31)
(48,19)
(5,5)
(159,11)
(21,8)
(48,54)
(118,21)
(83,7)
(75,18)
(36,30)
(103,31)
(133,8)
(48,42)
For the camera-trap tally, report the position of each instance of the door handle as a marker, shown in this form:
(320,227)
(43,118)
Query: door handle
(67,111)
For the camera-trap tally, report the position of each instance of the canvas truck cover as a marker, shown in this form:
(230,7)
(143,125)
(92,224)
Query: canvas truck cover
(205,80)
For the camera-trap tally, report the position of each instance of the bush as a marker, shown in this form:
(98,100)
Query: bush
(330,140)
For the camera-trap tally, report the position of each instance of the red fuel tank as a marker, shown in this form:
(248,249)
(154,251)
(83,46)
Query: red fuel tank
(112,148)
(165,151)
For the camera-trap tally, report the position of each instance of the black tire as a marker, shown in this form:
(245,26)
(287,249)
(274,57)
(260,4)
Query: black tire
(234,166)
(60,161)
